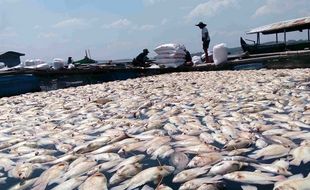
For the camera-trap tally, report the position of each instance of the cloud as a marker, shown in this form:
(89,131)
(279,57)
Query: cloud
(48,35)
(164,21)
(151,2)
(125,23)
(8,32)
(73,22)
(9,1)
(145,27)
(210,8)
(121,23)
(279,7)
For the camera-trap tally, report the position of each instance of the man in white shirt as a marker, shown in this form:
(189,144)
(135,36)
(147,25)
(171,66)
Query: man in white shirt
(205,39)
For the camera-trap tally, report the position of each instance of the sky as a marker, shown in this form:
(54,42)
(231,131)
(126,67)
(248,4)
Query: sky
(121,29)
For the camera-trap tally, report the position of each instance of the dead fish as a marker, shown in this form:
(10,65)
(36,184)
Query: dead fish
(198,182)
(162,152)
(205,159)
(22,171)
(238,152)
(49,175)
(237,144)
(253,177)
(6,163)
(179,160)
(41,159)
(296,182)
(225,167)
(71,183)
(206,138)
(190,174)
(130,160)
(198,149)
(95,182)
(105,157)
(147,175)
(271,151)
(125,172)
(240,159)
(284,141)
(65,158)
(300,154)
(279,167)
(79,169)
(260,143)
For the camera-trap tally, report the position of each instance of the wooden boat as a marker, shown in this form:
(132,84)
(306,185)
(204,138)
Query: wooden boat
(15,84)
(284,27)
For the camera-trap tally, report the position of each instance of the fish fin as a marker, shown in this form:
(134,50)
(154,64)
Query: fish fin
(295,162)
(279,178)
(248,187)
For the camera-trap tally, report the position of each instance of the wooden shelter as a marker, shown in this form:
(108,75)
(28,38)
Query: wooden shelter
(10,58)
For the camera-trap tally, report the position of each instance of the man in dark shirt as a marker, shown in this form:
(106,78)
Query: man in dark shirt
(142,60)
(188,59)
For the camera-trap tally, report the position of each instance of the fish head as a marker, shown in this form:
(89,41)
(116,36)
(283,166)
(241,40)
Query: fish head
(166,169)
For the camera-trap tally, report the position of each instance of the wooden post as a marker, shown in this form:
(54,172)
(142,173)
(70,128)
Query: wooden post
(258,38)
(277,40)
(284,36)
(308,34)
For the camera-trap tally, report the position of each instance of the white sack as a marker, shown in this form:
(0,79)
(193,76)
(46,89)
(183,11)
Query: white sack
(169,47)
(220,54)
(2,65)
(58,63)
(43,66)
(196,60)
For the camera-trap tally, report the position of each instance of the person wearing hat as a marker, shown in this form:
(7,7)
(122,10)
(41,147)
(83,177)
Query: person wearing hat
(142,60)
(205,38)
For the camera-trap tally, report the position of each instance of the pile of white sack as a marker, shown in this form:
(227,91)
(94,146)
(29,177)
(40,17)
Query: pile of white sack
(170,55)
(38,64)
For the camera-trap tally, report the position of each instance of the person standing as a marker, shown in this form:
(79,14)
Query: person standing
(205,39)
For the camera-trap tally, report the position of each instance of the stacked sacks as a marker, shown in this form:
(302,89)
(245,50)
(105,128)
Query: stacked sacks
(170,55)
(220,54)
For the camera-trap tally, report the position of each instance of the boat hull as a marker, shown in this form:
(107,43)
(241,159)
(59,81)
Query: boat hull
(11,85)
